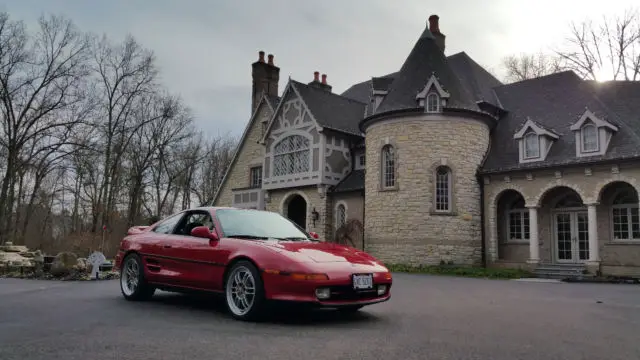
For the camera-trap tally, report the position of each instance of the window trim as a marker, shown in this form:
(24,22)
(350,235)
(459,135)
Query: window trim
(526,235)
(384,167)
(628,207)
(449,197)
(260,176)
(430,96)
(275,155)
(525,154)
(335,217)
(582,138)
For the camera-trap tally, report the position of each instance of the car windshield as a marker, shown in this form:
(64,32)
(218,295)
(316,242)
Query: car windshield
(257,224)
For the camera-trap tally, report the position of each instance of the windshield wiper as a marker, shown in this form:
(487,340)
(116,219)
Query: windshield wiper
(294,238)
(253,237)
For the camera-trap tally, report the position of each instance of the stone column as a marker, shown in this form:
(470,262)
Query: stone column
(594,253)
(534,241)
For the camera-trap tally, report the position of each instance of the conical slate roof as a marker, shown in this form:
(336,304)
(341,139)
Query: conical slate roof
(425,59)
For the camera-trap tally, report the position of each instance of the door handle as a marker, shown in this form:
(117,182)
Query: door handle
(166,246)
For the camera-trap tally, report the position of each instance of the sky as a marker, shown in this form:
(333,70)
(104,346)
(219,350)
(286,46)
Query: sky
(205,48)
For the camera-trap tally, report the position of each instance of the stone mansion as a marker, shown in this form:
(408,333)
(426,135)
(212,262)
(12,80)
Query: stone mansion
(442,162)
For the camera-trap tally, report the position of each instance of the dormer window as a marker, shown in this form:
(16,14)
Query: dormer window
(531,146)
(433,96)
(589,138)
(433,103)
(534,141)
(593,134)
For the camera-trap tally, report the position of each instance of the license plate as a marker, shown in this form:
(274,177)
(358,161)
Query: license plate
(364,281)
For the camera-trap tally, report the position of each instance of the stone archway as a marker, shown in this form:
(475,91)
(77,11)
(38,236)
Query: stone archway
(296,208)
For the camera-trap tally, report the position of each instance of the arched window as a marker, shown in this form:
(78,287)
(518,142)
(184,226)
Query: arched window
(341,215)
(388,167)
(443,189)
(291,156)
(433,102)
(518,220)
(589,138)
(626,220)
(531,146)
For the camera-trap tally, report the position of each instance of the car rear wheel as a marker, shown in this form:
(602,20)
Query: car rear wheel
(244,291)
(132,281)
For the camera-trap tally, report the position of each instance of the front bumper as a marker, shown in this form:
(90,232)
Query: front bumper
(281,288)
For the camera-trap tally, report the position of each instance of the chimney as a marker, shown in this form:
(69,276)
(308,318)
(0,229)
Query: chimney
(265,76)
(316,83)
(434,28)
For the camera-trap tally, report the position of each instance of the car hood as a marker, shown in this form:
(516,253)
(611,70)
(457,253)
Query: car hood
(319,252)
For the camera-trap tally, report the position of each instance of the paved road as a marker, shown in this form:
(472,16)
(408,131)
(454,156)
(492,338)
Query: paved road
(427,318)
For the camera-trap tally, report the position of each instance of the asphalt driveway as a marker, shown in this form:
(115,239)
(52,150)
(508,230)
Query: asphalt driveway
(427,318)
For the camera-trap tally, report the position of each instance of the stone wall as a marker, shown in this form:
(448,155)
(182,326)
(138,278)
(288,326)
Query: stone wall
(401,225)
(250,154)
(278,201)
(592,183)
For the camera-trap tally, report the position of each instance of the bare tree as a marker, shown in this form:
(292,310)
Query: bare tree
(529,66)
(609,49)
(124,73)
(40,76)
(161,132)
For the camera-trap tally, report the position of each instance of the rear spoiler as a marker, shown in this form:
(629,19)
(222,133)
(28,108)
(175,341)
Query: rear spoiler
(134,230)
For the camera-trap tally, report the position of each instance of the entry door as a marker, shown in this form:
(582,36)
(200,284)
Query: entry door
(572,236)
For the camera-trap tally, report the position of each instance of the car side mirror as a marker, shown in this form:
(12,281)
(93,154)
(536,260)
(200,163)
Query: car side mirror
(204,232)
(314,235)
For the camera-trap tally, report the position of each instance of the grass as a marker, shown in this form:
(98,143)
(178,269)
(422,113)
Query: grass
(451,270)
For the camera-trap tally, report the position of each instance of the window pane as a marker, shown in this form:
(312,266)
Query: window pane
(389,168)
(620,224)
(442,189)
(589,138)
(531,146)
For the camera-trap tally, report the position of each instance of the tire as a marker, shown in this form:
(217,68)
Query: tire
(132,270)
(243,304)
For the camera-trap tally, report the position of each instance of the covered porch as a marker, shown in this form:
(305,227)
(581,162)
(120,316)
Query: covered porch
(561,227)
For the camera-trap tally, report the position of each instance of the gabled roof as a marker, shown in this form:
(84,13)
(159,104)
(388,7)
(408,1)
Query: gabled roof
(264,99)
(556,102)
(354,181)
(537,128)
(425,59)
(331,110)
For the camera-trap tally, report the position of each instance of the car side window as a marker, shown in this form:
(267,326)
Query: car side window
(167,226)
(192,220)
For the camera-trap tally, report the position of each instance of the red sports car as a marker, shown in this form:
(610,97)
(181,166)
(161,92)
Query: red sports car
(252,257)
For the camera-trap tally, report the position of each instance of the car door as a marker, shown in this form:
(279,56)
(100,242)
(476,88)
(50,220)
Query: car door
(196,262)
(153,251)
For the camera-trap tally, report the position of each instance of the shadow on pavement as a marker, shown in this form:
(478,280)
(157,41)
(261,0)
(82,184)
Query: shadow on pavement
(283,315)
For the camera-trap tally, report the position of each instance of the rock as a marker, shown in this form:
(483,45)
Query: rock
(9,247)
(63,264)
(13,260)
(82,265)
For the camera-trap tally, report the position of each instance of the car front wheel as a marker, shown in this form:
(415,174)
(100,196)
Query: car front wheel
(244,291)
(132,281)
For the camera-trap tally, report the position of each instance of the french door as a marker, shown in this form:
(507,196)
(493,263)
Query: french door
(572,236)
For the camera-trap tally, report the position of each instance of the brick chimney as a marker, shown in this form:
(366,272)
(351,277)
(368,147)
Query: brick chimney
(434,28)
(265,76)
(320,84)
